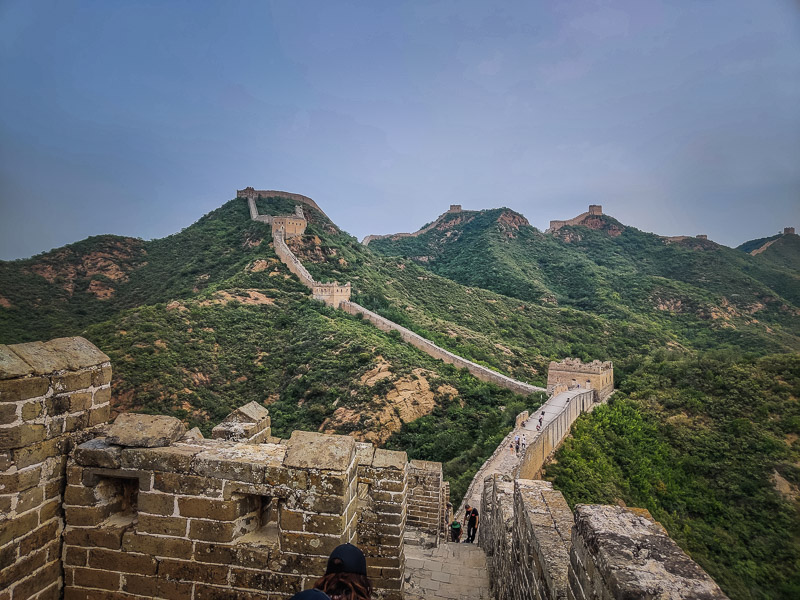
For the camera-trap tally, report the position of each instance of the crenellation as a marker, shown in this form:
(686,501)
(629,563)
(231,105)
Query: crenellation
(572,373)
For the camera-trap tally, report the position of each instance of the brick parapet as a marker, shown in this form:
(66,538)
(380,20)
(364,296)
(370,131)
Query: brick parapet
(623,553)
(572,373)
(382,514)
(51,395)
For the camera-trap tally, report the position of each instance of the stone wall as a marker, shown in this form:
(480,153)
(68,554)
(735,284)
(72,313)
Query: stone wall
(435,351)
(292,226)
(623,553)
(382,512)
(150,511)
(426,498)
(542,447)
(291,261)
(50,393)
(251,193)
(573,373)
(537,550)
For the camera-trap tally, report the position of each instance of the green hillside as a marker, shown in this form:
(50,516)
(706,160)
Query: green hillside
(704,294)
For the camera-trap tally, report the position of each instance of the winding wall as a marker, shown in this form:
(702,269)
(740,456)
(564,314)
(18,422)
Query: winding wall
(339,296)
(416,340)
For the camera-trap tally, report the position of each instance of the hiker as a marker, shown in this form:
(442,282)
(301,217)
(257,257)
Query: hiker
(524,442)
(455,531)
(346,575)
(467,510)
(517,444)
(472,525)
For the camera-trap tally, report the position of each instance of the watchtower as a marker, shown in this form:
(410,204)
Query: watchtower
(595,209)
(788,230)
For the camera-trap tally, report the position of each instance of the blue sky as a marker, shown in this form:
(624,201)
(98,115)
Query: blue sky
(136,118)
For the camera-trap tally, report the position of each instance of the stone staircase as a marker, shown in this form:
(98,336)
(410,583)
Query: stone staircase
(449,571)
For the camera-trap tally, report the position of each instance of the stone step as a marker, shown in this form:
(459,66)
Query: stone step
(447,572)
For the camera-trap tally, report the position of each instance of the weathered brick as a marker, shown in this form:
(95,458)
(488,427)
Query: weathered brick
(12,483)
(192,571)
(18,526)
(95,578)
(19,436)
(29,499)
(75,556)
(39,538)
(107,536)
(8,414)
(71,381)
(99,415)
(83,516)
(26,564)
(126,562)
(101,375)
(203,508)
(157,546)
(309,543)
(156,503)
(261,580)
(188,484)
(14,390)
(169,458)
(101,396)
(34,454)
(38,580)
(213,531)
(57,405)
(162,525)
(151,587)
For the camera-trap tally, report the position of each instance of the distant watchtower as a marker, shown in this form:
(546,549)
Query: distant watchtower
(701,236)
(788,230)
(455,208)
(595,209)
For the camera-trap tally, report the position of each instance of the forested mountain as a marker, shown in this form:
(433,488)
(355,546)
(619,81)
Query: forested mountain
(704,339)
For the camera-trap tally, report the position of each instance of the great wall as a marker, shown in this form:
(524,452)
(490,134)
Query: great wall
(140,508)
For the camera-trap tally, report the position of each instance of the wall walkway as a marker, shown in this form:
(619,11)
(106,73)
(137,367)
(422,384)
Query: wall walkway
(560,411)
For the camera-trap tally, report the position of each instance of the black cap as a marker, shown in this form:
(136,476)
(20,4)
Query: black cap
(347,559)
(311,595)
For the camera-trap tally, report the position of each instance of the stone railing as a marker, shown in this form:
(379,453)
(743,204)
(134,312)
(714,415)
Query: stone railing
(537,550)
(416,340)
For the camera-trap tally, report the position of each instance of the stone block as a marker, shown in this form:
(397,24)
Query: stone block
(77,352)
(161,547)
(205,508)
(8,413)
(240,462)
(390,459)
(71,381)
(192,571)
(14,390)
(145,431)
(156,503)
(169,458)
(98,453)
(94,578)
(159,525)
(307,450)
(19,436)
(126,562)
(99,415)
(18,527)
(188,484)
(11,365)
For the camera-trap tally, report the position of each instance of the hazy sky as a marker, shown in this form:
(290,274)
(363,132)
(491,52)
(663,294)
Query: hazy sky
(137,117)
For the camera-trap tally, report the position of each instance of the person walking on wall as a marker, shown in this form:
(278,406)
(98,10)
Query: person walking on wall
(472,525)
(455,531)
(346,575)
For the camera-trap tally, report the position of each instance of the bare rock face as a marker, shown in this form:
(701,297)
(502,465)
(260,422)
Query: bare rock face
(145,431)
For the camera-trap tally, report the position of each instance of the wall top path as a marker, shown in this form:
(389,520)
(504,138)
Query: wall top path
(250,192)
